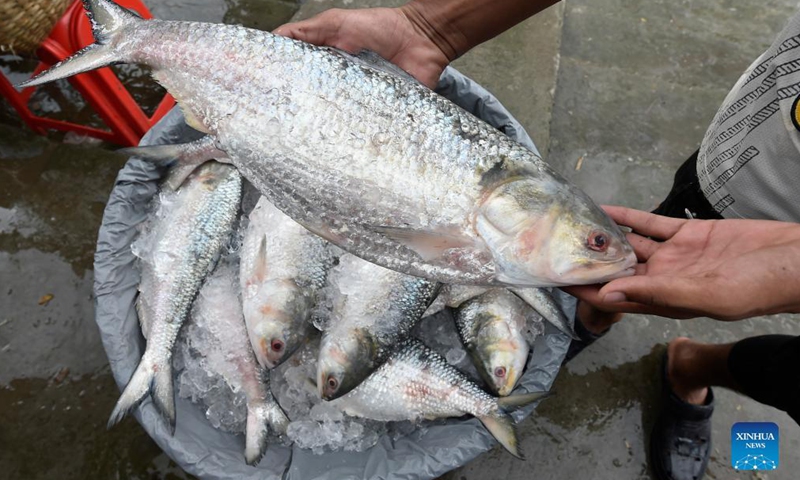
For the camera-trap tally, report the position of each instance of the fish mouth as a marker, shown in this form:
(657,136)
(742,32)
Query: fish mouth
(601,272)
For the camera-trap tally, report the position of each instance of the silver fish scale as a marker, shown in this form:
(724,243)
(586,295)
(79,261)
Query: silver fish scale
(292,251)
(403,310)
(417,383)
(191,239)
(386,307)
(336,145)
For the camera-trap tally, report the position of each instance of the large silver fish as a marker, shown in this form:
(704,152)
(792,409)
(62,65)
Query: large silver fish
(283,267)
(218,310)
(189,237)
(374,310)
(373,162)
(416,383)
(492,329)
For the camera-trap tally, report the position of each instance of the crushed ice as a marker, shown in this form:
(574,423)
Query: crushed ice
(208,376)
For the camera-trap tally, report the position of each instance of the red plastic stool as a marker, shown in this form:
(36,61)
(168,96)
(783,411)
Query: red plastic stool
(101,88)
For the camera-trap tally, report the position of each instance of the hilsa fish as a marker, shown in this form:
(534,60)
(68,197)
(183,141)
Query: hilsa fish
(283,268)
(189,238)
(416,383)
(492,328)
(374,162)
(374,310)
(218,311)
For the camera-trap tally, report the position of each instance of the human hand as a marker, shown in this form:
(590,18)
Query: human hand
(396,34)
(724,269)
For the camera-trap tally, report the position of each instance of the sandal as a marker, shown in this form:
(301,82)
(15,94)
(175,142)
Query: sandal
(680,443)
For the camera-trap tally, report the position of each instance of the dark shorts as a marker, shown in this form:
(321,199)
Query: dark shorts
(686,194)
(765,367)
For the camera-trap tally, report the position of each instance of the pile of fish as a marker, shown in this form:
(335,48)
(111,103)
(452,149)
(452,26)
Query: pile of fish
(331,334)
(377,195)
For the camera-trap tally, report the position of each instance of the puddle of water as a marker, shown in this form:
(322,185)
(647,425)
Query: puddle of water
(57,430)
(53,195)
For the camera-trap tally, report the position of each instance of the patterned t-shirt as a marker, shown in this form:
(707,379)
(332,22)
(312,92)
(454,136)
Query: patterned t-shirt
(749,161)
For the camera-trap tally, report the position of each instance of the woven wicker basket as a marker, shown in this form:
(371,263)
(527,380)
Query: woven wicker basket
(25,23)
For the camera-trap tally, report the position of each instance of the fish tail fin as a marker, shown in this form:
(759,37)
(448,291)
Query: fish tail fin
(163,397)
(108,21)
(502,428)
(256,430)
(278,421)
(137,388)
(516,401)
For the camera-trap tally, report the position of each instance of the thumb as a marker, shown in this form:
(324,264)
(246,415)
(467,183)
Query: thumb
(319,30)
(658,291)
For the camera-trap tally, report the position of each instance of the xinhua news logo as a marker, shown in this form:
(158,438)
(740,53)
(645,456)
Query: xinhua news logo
(754,446)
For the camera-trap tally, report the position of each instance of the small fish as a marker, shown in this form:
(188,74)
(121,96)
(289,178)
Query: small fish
(372,161)
(540,299)
(283,267)
(189,237)
(492,329)
(374,310)
(218,310)
(416,383)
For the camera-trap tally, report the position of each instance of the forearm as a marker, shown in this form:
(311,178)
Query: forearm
(782,287)
(456,26)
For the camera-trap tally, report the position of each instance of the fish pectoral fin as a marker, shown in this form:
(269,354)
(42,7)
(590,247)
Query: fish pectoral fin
(428,244)
(186,157)
(517,401)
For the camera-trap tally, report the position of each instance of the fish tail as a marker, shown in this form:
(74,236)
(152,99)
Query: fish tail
(163,397)
(147,379)
(502,428)
(516,401)
(109,21)
(137,388)
(255,443)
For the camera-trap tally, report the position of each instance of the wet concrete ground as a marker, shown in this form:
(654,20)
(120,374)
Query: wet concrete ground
(617,93)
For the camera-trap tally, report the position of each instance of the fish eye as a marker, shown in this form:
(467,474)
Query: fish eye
(500,372)
(598,241)
(333,383)
(277,345)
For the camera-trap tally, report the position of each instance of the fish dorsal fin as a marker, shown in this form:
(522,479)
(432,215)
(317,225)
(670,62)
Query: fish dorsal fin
(545,305)
(375,61)
(428,244)
(260,271)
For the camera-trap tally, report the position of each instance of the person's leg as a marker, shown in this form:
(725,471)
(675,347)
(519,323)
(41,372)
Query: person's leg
(762,368)
(765,369)
(693,367)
